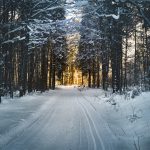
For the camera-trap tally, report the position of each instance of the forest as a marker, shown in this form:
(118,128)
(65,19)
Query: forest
(112,47)
(74,74)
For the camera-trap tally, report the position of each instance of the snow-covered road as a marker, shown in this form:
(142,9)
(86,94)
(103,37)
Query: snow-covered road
(66,121)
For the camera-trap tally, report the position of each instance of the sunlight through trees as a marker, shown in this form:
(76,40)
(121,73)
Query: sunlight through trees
(108,40)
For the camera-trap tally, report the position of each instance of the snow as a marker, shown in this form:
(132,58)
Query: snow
(75,118)
(128,118)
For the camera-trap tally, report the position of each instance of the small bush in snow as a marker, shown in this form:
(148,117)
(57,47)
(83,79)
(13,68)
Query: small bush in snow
(135,92)
(111,100)
(136,114)
(127,95)
(81,88)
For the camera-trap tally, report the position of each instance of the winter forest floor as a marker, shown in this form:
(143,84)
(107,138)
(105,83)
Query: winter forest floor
(73,119)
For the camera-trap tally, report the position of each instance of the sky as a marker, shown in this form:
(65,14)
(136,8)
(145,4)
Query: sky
(73,23)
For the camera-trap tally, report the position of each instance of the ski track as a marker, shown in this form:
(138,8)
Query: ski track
(100,118)
(67,121)
(18,131)
(103,127)
(91,125)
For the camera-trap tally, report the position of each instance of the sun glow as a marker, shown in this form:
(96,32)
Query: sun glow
(73,21)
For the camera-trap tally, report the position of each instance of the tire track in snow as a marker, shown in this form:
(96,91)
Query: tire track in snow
(18,131)
(105,126)
(92,127)
(91,132)
(101,118)
(80,134)
(82,130)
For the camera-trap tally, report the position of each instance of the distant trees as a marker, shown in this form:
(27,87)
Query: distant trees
(29,57)
(114,46)
(117,24)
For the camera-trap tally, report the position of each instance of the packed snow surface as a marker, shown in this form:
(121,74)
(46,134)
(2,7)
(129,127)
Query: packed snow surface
(72,118)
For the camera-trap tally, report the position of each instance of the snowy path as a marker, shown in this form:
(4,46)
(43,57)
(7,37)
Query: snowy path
(66,121)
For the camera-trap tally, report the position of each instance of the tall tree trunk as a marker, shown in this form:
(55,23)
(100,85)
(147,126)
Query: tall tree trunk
(135,58)
(82,78)
(93,74)
(50,68)
(31,72)
(53,73)
(89,78)
(116,60)
(105,70)
(98,73)
(125,63)
(62,78)
(43,70)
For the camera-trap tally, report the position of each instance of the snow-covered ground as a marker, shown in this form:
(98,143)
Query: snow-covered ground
(73,119)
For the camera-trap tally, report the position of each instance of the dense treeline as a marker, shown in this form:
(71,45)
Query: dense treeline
(32,46)
(114,47)
(115,44)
